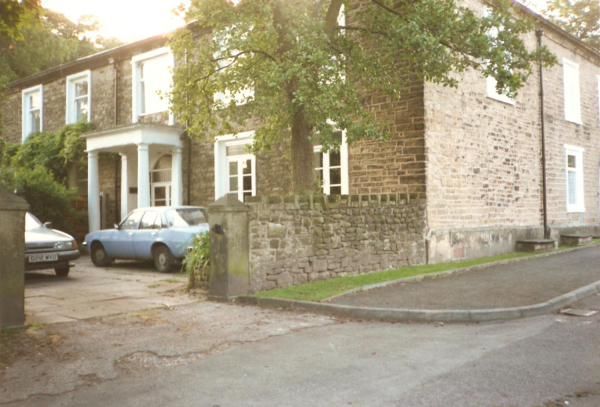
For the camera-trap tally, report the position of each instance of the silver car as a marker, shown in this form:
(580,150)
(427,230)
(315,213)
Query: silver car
(47,248)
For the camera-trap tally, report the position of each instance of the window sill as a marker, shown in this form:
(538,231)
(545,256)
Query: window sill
(502,100)
(152,113)
(576,209)
(574,121)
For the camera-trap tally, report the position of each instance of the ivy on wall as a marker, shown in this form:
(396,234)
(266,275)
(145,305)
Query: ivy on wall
(37,170)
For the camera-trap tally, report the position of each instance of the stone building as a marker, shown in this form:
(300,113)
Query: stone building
(471,156)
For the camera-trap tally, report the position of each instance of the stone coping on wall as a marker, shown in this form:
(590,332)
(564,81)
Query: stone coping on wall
(311,202)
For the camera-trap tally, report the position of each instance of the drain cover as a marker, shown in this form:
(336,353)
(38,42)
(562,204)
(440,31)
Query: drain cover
(578,312)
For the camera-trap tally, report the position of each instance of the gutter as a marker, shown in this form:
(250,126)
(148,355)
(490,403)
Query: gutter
(539,34)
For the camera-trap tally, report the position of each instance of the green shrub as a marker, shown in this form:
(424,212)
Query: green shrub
(197,261)
(49,200)
(37,171)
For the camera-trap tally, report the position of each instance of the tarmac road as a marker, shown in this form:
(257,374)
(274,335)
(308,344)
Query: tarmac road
(540,361)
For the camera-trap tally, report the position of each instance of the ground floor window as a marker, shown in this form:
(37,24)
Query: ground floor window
(331,168)
(574,175)
(235,167)
(160,181)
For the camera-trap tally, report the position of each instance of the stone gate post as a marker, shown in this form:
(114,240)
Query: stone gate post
(12,259)
(229,248)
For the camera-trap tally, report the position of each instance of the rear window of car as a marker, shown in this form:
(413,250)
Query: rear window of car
(185,217)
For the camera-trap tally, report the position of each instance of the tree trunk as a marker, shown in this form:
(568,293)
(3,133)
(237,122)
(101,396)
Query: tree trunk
(303,180)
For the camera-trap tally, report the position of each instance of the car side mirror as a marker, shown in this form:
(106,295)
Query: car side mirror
(116,226)
(48,225)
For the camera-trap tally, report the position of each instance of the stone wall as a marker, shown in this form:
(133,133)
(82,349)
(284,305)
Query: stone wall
(398,164)
(273,172)
(298,239)
(484,172)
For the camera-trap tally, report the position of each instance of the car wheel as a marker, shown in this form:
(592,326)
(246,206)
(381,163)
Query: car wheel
(62,271)
(163,259)
(99,256)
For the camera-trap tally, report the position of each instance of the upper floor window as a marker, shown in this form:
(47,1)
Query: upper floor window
(235,167)
(152,78)
(574,164)
(331,168)
(79,97)
(571,89)
(33,110)
(490,82)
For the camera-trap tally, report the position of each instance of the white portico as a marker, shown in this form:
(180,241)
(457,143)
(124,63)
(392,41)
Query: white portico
(151,166)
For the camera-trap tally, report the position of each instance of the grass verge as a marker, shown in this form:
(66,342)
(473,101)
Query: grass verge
(319,290)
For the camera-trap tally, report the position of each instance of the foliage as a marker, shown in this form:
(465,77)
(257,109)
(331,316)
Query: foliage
(320,290)
(57,152)
(295,68)
(52,41)
(17,14)
(37,170)
(197,261)
(48,199)
(580,18)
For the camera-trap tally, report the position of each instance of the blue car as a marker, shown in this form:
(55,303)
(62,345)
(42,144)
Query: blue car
(162,234)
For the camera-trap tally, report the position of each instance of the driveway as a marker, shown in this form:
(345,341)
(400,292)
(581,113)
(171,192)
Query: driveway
(91,291)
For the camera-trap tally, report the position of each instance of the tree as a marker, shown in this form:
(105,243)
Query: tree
(295,66)
(51,41)
(580,18)
(16,14)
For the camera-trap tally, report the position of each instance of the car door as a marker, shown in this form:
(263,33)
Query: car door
(120,242)
(146,234)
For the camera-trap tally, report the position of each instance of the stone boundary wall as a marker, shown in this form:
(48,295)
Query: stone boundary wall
(298,239)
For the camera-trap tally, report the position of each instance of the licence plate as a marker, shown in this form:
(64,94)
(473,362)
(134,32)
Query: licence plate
(37,258)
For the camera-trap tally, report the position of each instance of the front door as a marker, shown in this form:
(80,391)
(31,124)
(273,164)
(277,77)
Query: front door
(161,194)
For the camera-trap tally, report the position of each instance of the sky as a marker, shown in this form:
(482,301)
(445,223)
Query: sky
(133,20)
(128,20)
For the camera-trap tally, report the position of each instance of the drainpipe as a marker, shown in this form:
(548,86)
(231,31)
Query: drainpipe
(189,166)
(116,89)
(539,33)
(116,121)
(189,147)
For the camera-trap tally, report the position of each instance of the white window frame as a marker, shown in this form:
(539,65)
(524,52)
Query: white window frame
(26,109)
(492,93)
(136,61)
(572,92)
(167,184)
(598,99)
(343,166)
(579,206)
(491,82)
(71,111)
(222,162)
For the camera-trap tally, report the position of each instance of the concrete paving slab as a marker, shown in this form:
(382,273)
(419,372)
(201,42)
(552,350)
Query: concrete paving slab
(91,291)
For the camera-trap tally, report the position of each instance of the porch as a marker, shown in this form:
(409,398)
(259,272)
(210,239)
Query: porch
(151,167)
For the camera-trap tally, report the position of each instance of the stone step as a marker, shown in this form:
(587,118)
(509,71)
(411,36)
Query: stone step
(575,239)
(536,245)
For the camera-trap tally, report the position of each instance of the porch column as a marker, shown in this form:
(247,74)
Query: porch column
(176,178)
(143,176)
(93,192)
(124,187)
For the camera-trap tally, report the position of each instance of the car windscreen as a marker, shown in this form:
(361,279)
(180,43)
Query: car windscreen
(31,222)
(178,218)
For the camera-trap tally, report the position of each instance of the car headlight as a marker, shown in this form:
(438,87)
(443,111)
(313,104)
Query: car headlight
(64,245)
